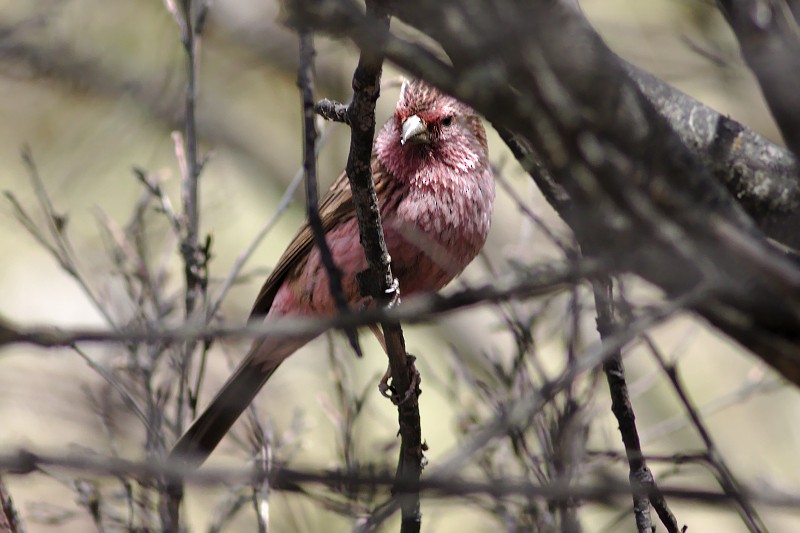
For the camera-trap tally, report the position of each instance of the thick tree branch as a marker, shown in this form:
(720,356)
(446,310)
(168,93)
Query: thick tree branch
(763,177)
(638,191)
(769,37)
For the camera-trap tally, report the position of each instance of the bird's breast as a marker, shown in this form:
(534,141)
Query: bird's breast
(432,233)
(438,229)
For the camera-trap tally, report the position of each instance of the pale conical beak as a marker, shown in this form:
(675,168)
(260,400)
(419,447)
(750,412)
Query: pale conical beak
(414,131)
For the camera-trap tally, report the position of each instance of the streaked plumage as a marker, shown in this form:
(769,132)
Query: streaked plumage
(436,192)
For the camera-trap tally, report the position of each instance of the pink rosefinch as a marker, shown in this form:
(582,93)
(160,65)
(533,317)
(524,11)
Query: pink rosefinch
(435,189)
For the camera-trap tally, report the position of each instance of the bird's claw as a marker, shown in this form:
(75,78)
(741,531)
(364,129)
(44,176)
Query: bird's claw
(388,391)
(384,387)
(393,292)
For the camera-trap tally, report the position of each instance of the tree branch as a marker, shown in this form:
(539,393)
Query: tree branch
(723,473)
(9,518)
(287,479)
(762,176)
(543,280)
(378,282)
(769,38)
(334,111)
(189,17)
(661,216)
(643,484)
(305,81)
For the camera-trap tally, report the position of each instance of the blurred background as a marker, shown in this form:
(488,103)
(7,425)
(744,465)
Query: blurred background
(95,89)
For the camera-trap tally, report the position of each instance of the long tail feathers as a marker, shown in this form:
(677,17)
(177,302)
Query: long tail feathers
(207,430)
(205,433)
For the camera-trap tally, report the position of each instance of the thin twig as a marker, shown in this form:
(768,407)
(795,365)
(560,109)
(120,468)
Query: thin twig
(126,396)
(334,111)
(747,390)
(286,479)
(58,244)
(227,509)
(545,280)
(154,188)
(643,484)
(305,81)
(9,518)
(195,256)
(261,490)
(725,477)
(522,206)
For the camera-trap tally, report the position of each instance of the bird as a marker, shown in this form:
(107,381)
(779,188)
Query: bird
(435,190)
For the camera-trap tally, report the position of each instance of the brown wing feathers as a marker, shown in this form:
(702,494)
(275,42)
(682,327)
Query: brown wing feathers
(335,207)
(338,198)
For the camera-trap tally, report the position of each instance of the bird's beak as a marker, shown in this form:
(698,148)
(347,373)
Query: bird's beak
(414,131)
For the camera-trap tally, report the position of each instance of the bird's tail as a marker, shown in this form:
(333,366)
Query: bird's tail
(205,433)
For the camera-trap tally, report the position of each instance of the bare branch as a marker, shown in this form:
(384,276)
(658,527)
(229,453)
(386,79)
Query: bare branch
(305,82)
(378,282)
(641,478)
(724,475)
(195,256)
(24,462)
(769,37)
(331,110)
(547,279)
(57,243)
(9,518)
(763,177)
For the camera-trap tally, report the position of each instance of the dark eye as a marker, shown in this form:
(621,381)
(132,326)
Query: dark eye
(447,121)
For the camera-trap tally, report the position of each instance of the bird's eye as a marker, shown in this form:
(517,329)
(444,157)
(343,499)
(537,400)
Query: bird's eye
(447,121)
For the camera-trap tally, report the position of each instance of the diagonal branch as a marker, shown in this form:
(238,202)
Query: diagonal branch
(769,37)
(662,216)
(730,485)
(763,177)
(643,484)
(9,518)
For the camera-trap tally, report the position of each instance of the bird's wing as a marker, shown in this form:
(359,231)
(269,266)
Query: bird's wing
(335,207)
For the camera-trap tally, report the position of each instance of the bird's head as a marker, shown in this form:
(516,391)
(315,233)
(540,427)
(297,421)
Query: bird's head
(431,127)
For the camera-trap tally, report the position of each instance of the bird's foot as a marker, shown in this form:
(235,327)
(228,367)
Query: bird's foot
(389,391)
(393,292)
(371,287)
